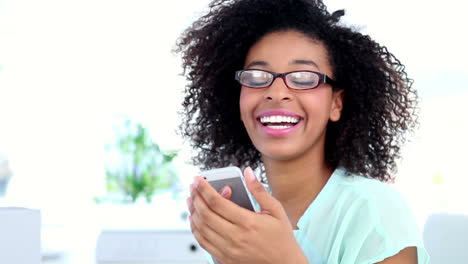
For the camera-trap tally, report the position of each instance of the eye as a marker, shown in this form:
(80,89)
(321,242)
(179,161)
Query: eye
(257,83)
(303,79)
(255,78)
(301,82)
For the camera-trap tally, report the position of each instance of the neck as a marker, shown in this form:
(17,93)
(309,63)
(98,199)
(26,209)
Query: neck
(297,182)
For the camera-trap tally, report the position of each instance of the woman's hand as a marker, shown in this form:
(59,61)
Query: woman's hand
(233,234)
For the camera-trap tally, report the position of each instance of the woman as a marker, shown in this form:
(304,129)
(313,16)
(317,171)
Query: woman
(322,111)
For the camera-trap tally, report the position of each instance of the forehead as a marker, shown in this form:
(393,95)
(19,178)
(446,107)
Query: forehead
(278,49)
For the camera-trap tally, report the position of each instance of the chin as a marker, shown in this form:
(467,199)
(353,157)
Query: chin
(279,153)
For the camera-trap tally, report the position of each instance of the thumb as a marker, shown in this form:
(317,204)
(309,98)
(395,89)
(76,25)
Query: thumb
(268,203)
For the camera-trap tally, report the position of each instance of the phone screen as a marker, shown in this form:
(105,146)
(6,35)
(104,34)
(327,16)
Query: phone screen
(239,195)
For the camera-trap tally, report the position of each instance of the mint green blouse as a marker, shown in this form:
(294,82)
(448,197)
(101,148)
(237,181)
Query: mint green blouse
(356,220)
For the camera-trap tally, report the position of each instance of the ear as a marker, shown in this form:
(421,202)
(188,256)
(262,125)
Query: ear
(337,105)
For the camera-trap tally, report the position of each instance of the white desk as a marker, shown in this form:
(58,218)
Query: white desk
(19,235)
(152,246)
(138,247)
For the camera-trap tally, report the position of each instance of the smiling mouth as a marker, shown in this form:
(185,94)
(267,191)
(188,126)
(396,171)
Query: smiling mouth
(279,122)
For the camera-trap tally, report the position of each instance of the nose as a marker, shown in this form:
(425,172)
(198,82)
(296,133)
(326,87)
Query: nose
(278,91)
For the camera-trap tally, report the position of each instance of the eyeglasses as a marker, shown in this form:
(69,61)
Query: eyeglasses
(299,80)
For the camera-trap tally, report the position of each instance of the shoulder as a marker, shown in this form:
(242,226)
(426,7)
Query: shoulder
(376,218)
(381,204)
(350,198)
(358,220)
(378,195)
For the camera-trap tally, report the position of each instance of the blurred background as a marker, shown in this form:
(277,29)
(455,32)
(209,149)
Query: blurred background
(84,84)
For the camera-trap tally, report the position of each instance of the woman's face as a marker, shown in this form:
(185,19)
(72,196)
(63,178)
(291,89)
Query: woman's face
(267,113)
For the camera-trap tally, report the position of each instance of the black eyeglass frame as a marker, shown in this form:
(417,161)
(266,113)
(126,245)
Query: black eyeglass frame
(323,78)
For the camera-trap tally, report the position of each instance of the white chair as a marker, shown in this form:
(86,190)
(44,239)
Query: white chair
(446,238)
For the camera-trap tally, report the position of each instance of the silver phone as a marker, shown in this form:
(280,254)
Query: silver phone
(232,177)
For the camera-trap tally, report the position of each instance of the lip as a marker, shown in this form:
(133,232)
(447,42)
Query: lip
(278,112)
(279,132)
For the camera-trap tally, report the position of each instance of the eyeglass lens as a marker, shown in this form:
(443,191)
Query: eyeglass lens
(295,80)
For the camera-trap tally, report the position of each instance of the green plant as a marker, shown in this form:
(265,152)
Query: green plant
(142,168)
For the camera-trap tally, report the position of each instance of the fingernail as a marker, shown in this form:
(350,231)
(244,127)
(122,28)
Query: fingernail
(196,182)
(250,174)
(225,191)
(191,188)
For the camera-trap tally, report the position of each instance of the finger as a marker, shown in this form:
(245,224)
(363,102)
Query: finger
(223,207)
(190,205)
(267,202)
(205,243)
(191,188)
(204,216)
(226,192)
(208,233)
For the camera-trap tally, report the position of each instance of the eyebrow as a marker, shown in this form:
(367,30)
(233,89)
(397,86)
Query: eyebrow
(294,62)
(257,63)
(306,62)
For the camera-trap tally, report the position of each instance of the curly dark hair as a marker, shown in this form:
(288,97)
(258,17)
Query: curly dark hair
(380,105)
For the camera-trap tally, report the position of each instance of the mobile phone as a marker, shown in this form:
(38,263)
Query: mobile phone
(232,177)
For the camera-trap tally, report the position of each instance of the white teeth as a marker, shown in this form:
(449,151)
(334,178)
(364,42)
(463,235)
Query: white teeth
(279,119)
(279,127)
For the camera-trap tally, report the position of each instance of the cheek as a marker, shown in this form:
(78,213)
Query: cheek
(245,104)
(318,105)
